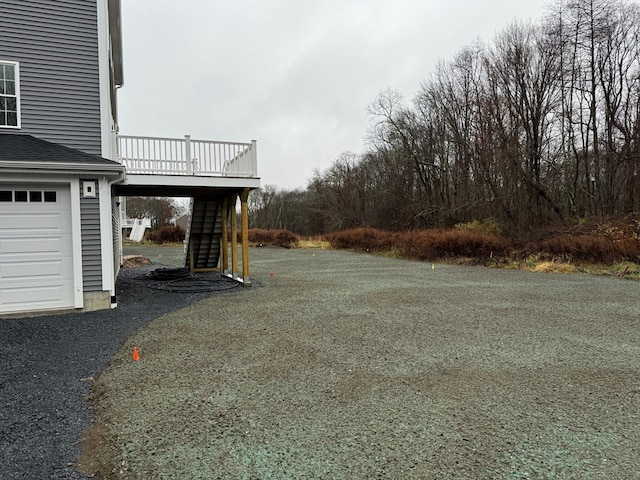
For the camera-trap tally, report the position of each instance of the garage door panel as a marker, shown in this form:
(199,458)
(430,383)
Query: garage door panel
(36,253)
(38,271)
(27,247)
(40,233)
(15,299)
(40,221)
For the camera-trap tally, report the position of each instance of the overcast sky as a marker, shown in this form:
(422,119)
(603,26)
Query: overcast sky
(297,75)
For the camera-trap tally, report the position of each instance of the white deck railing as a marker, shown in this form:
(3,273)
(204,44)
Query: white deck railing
(184,156)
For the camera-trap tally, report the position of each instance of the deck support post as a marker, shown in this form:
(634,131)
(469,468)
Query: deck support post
(244,212)
(224,239)
(234,236)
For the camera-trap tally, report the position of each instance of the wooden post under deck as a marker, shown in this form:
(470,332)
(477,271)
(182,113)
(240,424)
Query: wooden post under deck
(234,236)
(244,210)
(224,241)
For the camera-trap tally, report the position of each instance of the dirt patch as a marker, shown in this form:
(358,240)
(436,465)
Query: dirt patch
(132,261)
(169,255)
(353,366)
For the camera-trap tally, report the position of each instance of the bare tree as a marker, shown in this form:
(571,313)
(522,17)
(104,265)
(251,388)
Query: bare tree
(262,208)
(160,210)
(538,126)
(524,63)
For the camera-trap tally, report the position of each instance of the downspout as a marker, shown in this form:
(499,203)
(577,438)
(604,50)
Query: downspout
(106,228)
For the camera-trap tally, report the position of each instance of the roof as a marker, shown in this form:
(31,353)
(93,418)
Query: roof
(26,152)
(26,148)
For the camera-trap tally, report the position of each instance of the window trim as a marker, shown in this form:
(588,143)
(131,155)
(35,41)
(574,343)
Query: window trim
(16,71)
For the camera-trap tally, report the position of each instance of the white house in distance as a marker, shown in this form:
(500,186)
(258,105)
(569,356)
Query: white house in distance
(64,166)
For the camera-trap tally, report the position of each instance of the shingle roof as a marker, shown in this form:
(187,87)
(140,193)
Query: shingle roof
(26,148)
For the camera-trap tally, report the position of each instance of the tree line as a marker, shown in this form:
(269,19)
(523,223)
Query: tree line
(542,125)
(160,210)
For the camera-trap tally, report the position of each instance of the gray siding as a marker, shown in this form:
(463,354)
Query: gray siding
(56,43)
(91,249)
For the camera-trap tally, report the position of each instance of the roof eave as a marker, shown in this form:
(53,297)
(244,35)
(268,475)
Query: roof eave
(61,168)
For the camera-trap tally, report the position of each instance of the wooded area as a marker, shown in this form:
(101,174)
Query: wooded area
(160,210)
(540,126)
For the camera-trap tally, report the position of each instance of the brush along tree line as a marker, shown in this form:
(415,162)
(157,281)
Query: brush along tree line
(474,242)
(478,243)
(539,128)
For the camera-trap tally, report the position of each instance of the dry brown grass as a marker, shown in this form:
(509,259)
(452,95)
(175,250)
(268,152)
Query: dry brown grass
(554,267)
(314,242)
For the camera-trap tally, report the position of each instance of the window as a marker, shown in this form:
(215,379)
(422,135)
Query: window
(31,196)
(9,95)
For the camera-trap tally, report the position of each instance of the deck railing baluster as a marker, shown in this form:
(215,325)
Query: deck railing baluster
(185,156)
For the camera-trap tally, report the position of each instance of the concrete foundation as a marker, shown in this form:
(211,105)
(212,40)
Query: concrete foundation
(96,301)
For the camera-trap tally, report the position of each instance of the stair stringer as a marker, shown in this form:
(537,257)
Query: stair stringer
(204,235)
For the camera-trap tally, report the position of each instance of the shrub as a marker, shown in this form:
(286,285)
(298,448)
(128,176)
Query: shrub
(363,239)
(166,234)
(443,244)
(487,226)
(273,238)
(286,239)
(422,245)
(476,242)
(591,248)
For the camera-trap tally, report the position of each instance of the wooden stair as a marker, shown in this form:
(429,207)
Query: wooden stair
(204,235)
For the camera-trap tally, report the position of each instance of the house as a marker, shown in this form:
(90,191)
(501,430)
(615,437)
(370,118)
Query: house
(64,166)
(135,228)
(183,221)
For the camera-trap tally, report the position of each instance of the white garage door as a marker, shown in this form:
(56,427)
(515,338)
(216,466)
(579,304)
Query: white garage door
(36,265)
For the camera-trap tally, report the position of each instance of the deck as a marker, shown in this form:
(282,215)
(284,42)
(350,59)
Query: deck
(182,166)
(215,175)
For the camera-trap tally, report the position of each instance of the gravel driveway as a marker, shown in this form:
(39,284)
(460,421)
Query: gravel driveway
(353,366)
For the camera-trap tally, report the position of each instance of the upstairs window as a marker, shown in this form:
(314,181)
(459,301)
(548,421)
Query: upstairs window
(9,95)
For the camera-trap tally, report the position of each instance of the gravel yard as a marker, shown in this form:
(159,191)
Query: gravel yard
(47,367)
(343,365)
